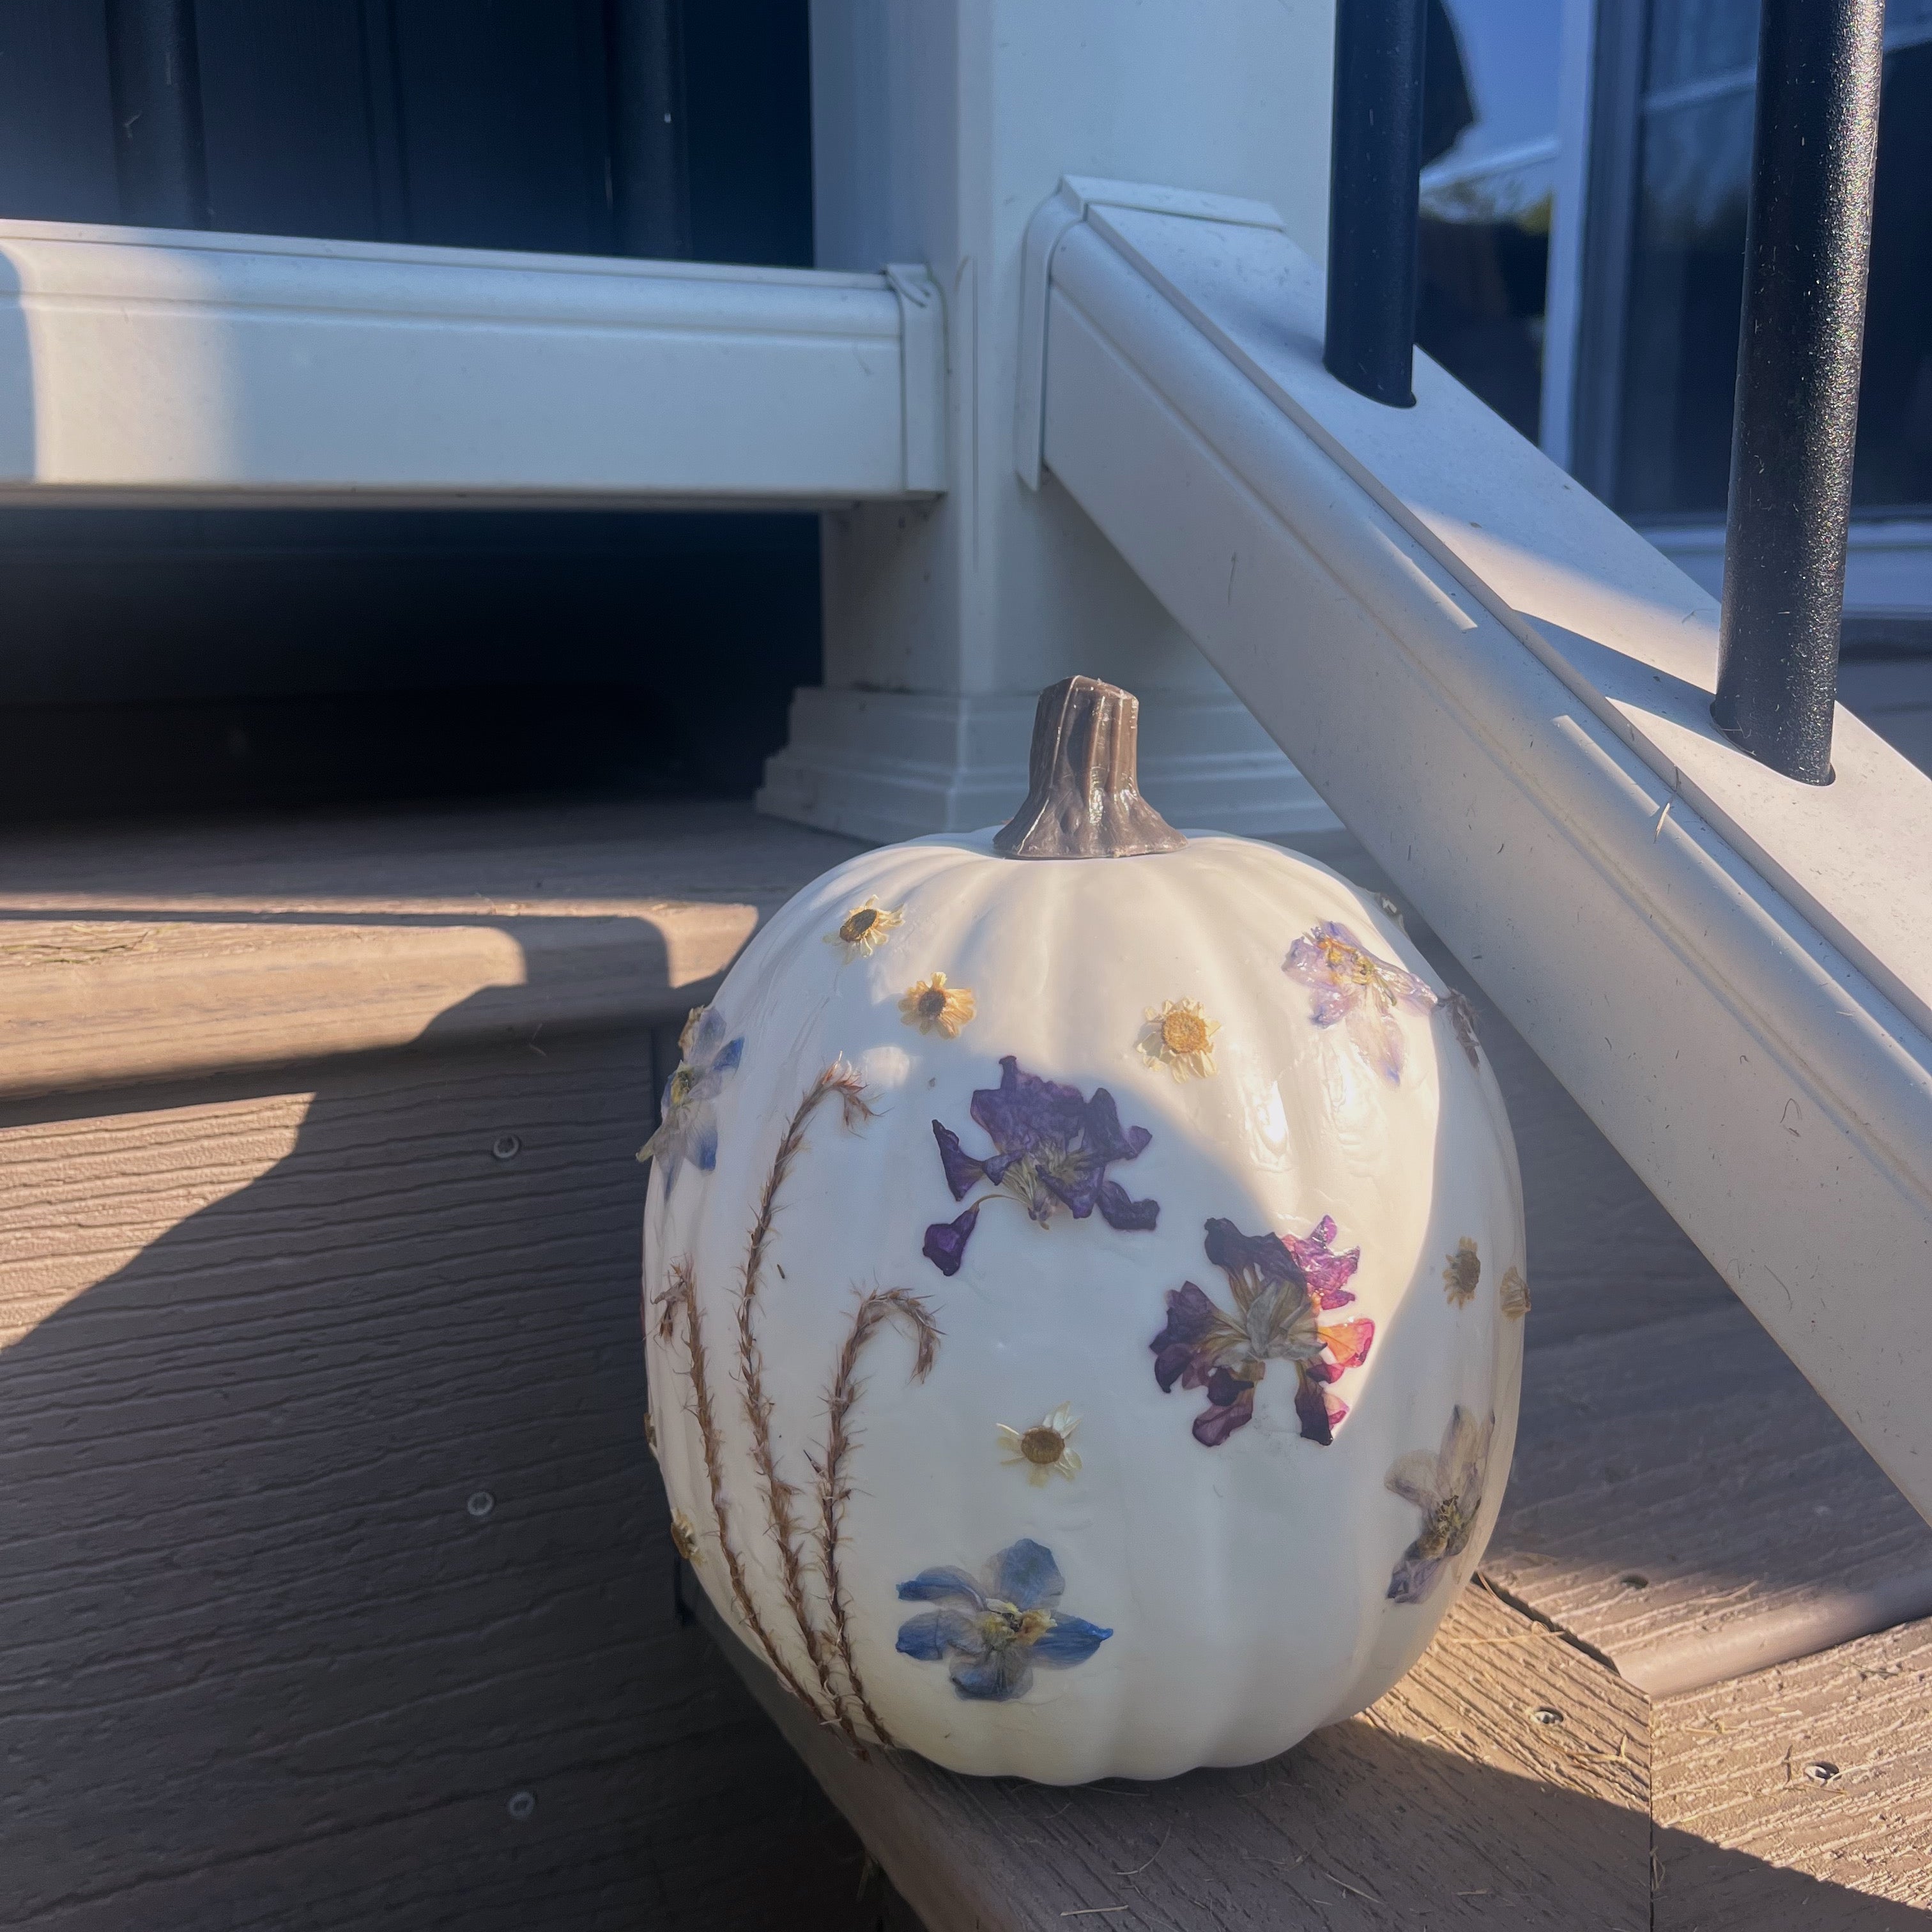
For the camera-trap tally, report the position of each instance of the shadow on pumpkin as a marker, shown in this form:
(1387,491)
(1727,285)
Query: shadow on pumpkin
(329,1525)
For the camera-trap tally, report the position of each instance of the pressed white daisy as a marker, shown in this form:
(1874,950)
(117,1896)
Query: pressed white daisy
(1181,1037)
(934,1006)
(863,928)
(1043,1449)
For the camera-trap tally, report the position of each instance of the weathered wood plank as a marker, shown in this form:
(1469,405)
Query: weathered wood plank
(1682,1501)
(1802,1795)
(126,959)
(265,1663)
(1447,1804)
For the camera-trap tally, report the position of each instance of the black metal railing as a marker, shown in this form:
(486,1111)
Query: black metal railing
(1375,164)
(1800,345)
(1801,342)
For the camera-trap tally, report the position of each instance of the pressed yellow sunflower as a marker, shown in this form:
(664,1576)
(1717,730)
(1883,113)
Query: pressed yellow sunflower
(1461,1272)
(934,1006)
(1512,1294)
(1181,1037)
(1043,1450)
(863,928)
(683,1536)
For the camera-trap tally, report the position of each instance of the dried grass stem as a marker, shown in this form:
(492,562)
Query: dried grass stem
(835,1489)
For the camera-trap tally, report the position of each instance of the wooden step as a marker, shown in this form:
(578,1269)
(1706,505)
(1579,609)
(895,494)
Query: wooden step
(329,1532)
(1683,1502)
(177,954)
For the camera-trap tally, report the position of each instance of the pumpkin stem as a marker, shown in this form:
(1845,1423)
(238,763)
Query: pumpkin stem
(1083,801)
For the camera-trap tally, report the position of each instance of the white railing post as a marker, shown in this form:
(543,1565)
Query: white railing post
(938,130)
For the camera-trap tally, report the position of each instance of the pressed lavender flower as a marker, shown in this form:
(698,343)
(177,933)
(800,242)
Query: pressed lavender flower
(1448,1488)
(1052,1148)
(1461,1273)
(687,1121)
(997,1627)
(1283,1285)
(1355,986)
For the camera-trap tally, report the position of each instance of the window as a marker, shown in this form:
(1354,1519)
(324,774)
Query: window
(1490,151)
(1681,140)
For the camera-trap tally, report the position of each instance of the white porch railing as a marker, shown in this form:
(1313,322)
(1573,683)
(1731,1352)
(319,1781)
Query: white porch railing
(1504,692)
(151,365)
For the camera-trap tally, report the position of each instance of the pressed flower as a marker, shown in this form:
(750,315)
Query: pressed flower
(864,928)
(687,1116)
(1044,1449)
(650,1431)
(1353,986)
(1461,1013)
(683,1536)
(996,1627)
(1461,1273)
(1513,1294)
(1181,1037)
(1282,1286)
(934,1006)
(1053,1147)
(1448,1488)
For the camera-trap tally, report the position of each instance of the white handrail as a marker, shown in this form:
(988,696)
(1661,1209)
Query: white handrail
(1501,690)
(154,366)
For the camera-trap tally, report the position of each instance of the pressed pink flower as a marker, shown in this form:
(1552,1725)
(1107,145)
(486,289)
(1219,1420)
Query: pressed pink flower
(1282,1285)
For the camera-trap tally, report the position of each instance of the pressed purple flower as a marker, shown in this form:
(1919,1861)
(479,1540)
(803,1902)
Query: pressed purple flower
(994,1628)
(1448,1488)
(687,1116)
(1052,1147)
(1282,1285)
(1355,986)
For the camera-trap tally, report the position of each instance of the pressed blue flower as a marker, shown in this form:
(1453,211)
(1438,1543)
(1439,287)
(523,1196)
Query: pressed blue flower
(995,1628)
(1448,1488)
(687,1115)
(1052,1148)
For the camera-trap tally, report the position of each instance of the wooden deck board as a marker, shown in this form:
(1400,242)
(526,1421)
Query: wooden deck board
(132,958)
(1820,1769)
(263,1666)
(1447,1804)
(1682,1501)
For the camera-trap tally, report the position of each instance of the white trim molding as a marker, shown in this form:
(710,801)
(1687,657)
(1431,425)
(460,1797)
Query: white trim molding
(147,366)
(1504,692)
(882,764)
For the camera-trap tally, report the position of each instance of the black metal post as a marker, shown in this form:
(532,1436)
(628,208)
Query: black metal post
(154,81)
(650,190)
(1375,163)
(1800,344)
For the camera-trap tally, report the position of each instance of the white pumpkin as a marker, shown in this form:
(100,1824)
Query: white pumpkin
(1084,1298)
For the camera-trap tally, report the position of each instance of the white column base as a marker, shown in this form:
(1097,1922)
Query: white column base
(889,765)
